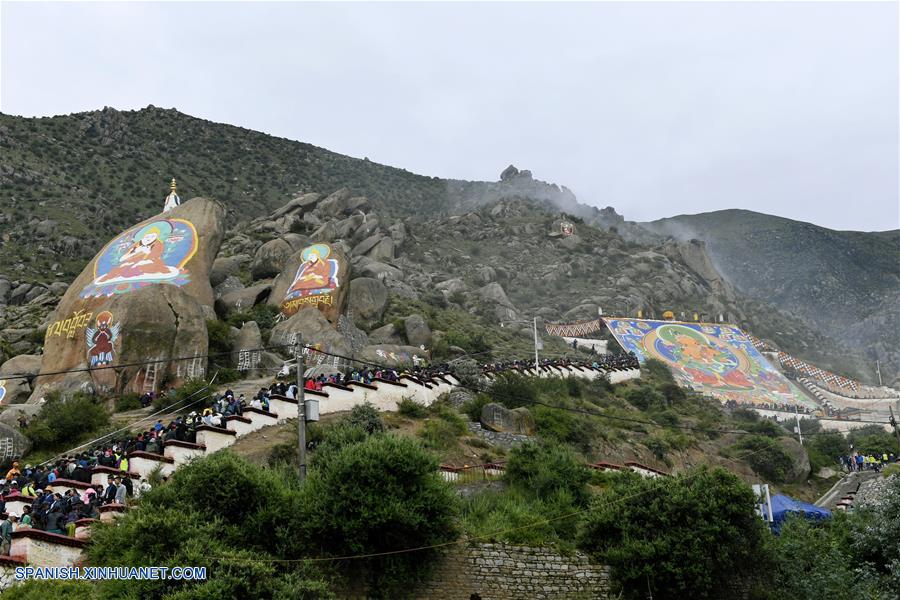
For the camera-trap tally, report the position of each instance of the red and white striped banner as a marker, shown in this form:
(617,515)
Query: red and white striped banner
(576,329)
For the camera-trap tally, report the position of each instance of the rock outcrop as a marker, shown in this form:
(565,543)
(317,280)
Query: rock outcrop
(499,418)
(310,326)
(145,296)
(367,299)
(315,276)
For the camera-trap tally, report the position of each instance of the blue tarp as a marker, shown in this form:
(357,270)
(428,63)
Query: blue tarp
(785,506)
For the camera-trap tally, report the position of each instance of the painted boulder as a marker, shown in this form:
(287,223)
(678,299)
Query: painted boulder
(389,355)
(153,325)
(315,276)
(312,328)
(144,296)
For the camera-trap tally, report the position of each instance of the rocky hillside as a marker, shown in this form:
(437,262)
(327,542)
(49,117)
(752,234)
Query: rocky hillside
(497,249)
(845,284)
(71,182)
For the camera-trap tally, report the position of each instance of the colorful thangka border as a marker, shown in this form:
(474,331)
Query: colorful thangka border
(716,360)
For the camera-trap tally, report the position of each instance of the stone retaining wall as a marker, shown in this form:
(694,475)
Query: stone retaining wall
(498,438)
(505,572)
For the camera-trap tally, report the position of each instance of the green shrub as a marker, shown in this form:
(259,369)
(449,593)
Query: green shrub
(410,408)
(64,422)
(127,402)
(575,386)
(578,430)
(692,536)
(512,390)
(645,398)
(443,432)
(764,454)
(191,392)
(220,343)
(380,494)
(366,417)
(473,407)
(542,468)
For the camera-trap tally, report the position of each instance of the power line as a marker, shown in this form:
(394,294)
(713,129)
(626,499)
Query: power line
(140,363)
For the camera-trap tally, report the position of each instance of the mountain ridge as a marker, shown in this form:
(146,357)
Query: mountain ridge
(72,182)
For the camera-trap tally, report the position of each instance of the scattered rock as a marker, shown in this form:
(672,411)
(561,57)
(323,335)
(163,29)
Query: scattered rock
(243,299)
(386,334)
(230,284)
(270,259)
(367,299)
(222,268)
(418,333)
(310,326)
(499,418)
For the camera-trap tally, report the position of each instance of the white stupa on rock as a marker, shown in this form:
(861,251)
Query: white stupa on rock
(172,200)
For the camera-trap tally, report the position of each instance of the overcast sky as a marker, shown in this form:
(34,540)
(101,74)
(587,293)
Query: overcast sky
(655,109)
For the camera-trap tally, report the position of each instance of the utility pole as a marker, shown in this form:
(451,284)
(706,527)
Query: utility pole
(301,408)
(536,363)
(799,433)
(894,423)
(878,370)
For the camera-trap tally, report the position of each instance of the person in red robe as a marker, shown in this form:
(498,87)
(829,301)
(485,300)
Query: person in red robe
(313,274)
(144,257)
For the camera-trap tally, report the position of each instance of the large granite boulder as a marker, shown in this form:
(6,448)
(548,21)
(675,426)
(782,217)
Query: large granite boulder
(386,334)
(15,390)
(243,299)
(247,344)
(315,276)
(335,204)
(367,299)
(5,289)
(13,442)
(311,327)
(270,258)
(497,417)
(392,355)
(145,296)
(155,323)
(418,333)
(297,205)
(495,297)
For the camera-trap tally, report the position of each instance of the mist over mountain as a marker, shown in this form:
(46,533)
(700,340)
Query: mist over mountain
(845,284)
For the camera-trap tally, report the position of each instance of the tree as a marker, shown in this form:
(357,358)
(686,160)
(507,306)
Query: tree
(692,536)
(380,494)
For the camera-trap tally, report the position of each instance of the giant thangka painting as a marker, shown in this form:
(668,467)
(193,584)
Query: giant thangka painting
(314,282)
(717,360)
(144,255)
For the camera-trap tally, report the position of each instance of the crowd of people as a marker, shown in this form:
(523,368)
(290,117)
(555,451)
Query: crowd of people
(366,375)
(600,361)
(866,462)
(56,512)
(791,408)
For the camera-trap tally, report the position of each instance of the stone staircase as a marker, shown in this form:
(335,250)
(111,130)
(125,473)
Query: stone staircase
(39,548)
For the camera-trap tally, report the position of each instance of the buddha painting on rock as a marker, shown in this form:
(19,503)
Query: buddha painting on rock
(316,278)
(154,253)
